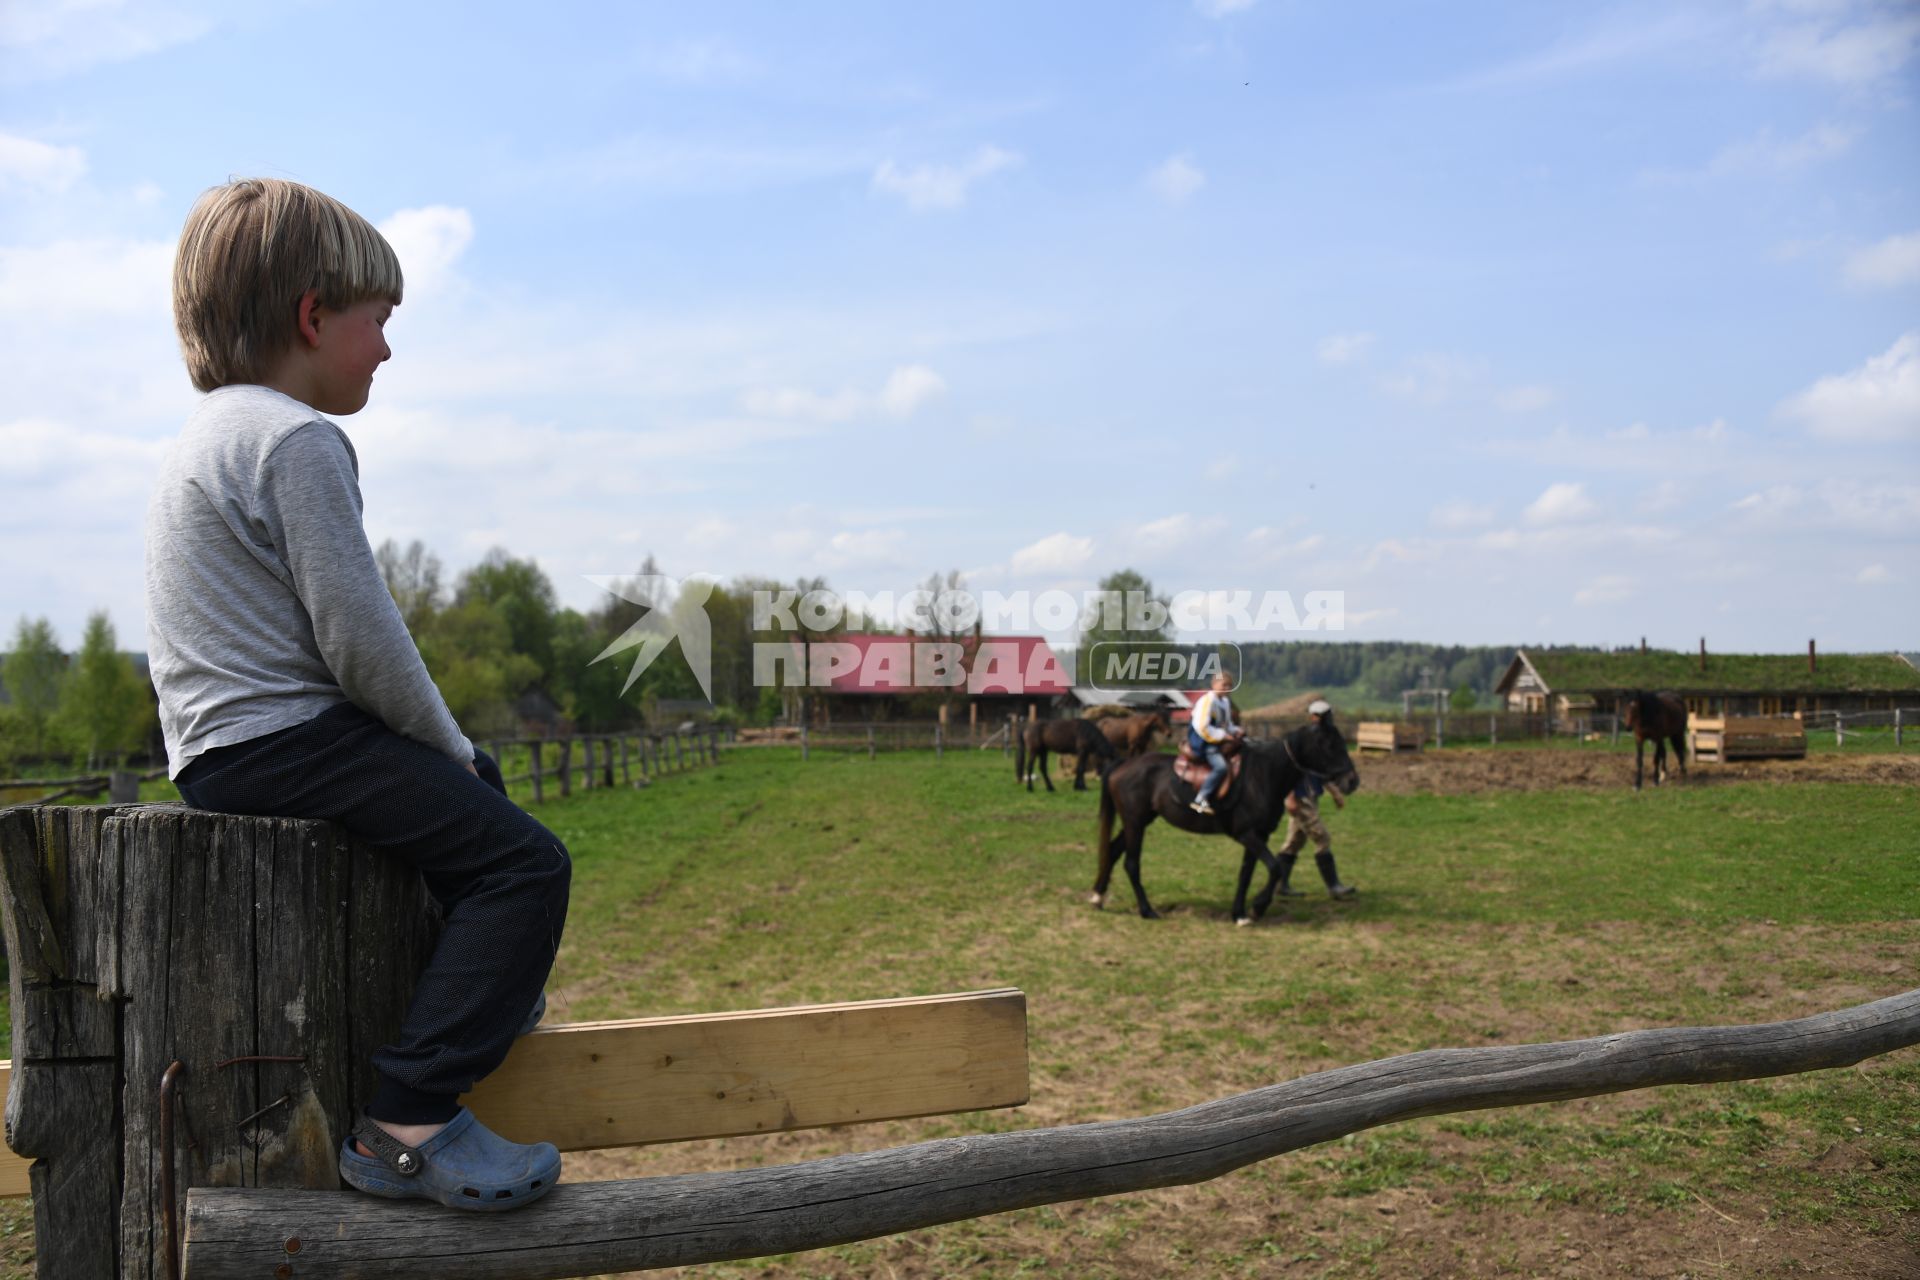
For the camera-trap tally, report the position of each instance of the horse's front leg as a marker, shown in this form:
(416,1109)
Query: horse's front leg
(1080,772)
(1680,754)
(1256,847)
(1659,759)
(1133,835)
(1046,774)
(1639,760)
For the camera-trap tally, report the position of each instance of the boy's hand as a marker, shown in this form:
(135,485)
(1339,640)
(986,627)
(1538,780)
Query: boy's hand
(470,769)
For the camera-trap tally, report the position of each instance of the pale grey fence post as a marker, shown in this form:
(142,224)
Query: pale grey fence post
(123,787)
(869,742)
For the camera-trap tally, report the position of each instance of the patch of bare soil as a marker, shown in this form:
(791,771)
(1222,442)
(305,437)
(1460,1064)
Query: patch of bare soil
(1471,770)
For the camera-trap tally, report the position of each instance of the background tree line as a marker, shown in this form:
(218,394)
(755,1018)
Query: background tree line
(509,658)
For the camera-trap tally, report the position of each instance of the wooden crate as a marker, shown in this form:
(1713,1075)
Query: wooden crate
(1384,735)
(1717,739)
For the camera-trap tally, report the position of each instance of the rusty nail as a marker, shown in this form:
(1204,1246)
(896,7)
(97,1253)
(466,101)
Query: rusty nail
(292,1245)
(263,1057)
(283,1271)
(280,1101)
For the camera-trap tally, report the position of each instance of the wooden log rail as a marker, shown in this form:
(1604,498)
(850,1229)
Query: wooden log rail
(588,1229)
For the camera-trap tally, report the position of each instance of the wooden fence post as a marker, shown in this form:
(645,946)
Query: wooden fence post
(538,786)
(566,766)
(869,742)
(586,760)
(679,752)
(123,787)
(803,742)
(939,742)
(113,991)
(1493,729)
(1897,739)
(626,771)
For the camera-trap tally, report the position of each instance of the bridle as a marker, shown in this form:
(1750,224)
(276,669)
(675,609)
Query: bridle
(1286,744)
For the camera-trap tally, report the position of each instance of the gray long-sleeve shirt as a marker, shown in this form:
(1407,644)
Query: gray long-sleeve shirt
(264,605)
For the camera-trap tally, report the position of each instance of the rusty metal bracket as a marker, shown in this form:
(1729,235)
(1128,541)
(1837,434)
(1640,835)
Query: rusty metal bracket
(169,1087)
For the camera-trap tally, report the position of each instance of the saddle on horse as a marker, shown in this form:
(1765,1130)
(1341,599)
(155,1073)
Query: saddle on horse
(1193,770)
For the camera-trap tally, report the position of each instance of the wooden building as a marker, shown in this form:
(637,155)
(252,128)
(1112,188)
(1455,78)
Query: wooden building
(1571,684)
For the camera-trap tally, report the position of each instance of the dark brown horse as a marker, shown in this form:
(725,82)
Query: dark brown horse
(1146,788)
(1080,739)
(1133,735)
(1662,717)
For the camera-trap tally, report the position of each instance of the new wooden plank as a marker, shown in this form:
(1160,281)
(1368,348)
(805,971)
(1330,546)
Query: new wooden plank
(613,1084)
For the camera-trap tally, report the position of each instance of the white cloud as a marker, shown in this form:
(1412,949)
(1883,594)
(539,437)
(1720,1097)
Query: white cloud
(1892,262)
(88,277)
(1524,399)
(907,388)
(1849,54)
(1176,179)
(1177,530)
(1608,588)
(1878,401)
(1221,8)
(1560,504)
(1873,575)
(1431,379)
(1343,348)
(43,39)
(930,186)
(428,242)
(1054,553)
(1460,514)
(1770,503)
(1765,154)
(31,165)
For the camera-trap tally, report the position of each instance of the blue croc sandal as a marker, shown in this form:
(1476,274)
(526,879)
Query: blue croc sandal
(465,1165)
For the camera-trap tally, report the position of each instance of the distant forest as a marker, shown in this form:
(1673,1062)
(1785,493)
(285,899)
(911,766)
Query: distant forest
(1375,669)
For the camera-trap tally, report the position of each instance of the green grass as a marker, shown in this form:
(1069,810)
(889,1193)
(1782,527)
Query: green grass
(1483,919)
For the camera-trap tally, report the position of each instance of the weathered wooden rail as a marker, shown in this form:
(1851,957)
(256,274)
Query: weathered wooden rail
(678,1221)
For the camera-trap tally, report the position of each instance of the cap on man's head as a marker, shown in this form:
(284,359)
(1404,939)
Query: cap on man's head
(1319,707)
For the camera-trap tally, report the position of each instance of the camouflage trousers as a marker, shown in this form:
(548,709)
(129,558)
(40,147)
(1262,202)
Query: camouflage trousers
(1304,822)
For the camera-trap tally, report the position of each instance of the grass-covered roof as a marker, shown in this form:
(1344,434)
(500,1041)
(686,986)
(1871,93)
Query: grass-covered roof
(1578,670)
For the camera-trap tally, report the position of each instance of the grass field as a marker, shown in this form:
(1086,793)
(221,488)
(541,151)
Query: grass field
(1485,918)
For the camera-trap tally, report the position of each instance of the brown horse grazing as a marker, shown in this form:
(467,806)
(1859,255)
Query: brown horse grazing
(1133,735)
(1146,788)
(1080,739)
(1662,717)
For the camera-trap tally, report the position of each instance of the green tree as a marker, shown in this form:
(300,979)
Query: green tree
(413,579)
(1130,611)
(468,648)
(105,708)
(1464,699)
(522,597)
(33,671)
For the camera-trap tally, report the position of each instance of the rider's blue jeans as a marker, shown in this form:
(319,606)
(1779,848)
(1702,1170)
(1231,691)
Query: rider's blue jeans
(1215,760)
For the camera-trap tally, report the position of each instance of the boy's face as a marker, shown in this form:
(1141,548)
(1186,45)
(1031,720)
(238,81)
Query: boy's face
(351,344)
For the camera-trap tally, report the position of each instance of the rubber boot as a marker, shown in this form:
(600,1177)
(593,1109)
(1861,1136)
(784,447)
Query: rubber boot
(1332,876)
(1285,887)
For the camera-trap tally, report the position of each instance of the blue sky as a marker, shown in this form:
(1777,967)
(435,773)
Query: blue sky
(1515,323)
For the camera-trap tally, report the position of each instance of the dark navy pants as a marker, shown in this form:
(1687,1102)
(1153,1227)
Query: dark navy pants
(500,878)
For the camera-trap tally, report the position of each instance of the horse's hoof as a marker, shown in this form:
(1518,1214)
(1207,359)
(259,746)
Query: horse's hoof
(1243,922)
(1098,901)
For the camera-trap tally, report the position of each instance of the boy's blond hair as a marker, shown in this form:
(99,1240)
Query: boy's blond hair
(248,253)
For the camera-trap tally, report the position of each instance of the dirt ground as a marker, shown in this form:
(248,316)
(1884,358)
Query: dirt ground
(1469,770)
